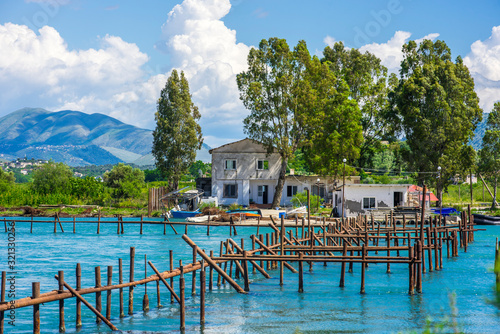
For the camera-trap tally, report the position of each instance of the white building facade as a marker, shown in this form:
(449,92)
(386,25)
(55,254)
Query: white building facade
(363,198)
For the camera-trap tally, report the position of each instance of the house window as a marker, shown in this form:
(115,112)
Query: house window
(369,203)
(230,191)
(230,164)
(262,164)
(260,190)
(291,191)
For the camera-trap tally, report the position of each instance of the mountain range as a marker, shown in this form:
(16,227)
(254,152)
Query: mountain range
(76,138)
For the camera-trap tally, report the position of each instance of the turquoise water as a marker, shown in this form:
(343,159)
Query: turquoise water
(268,308)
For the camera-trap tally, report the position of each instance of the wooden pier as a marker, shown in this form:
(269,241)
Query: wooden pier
(360,241)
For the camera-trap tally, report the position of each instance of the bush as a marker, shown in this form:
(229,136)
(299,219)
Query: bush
(52,178)
(300,199)
(125,181)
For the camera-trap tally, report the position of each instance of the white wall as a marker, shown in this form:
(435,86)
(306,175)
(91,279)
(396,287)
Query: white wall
(383,194)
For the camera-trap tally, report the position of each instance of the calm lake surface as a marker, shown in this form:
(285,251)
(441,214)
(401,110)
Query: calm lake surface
(268,308)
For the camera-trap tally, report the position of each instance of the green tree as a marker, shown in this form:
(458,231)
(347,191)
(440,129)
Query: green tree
(52,178)
(290,96)
(366,80)
(87,188)
(7,180)
(125,181)
(489,156)
(437,110)
(177,135)
(198,166)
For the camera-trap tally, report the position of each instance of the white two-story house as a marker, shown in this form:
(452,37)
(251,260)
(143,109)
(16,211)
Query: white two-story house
(243,172)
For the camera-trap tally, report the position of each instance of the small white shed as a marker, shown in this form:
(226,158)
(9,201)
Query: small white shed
(363,198)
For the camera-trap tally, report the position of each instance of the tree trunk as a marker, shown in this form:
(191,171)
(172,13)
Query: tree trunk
(493,204)
(281,183)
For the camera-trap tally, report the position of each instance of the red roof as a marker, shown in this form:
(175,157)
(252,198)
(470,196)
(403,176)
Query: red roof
(429,196)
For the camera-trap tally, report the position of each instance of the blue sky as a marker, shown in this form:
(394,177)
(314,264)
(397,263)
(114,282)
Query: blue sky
(114,56)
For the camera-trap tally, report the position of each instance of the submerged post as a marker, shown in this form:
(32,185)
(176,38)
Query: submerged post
(131,279)
(35,289)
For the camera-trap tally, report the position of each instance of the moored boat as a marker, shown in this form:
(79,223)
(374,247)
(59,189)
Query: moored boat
(184,214)
(486,220)
(249,213)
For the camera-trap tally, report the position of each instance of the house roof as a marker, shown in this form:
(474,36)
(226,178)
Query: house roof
(246,145)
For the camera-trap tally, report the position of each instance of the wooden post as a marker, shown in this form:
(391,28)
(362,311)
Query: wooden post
(388,252)
(145,300)
(202,293)
(182,308)
(108,294)
(219,276)
(363,268)
(171,258)
(211,273)
(419,266)
(282,247)
(411,285)
(245,271)
(35,289)
(131,279)
(31,225)
(193,284)
(98,305)
(301,272)
(142,217)
(429,248)
(99,222)
(120,281)
(78,301)
(62,326)
(158,302)
(74,225)
(342,266)
(170,288)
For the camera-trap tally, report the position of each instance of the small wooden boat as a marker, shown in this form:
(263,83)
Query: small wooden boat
(249,213)
(486,220)
(179,214)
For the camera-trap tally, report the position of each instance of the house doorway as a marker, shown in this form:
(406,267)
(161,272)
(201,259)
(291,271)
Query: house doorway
(398,198)
(263,193)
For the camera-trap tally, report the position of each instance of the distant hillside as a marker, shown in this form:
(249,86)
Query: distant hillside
(75,138)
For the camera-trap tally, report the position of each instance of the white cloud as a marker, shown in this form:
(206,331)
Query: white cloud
(206,50)
(329,40)
(40,70)
(390,53)
(484,63)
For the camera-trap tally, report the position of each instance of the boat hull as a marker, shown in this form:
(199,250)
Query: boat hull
(486,220)
(183,214)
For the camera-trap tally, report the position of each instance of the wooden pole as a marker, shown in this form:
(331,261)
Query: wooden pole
(363,268)
(193,284)
(282,247)
(342,267)
(35,289)
(211,274)
(108,294)
(245,271)
(78,301)
(171,258)
(301,272)
(120,281)
(182,307)
(202,292)
(62,326)
(145,299)
(98,305)
(131,279)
